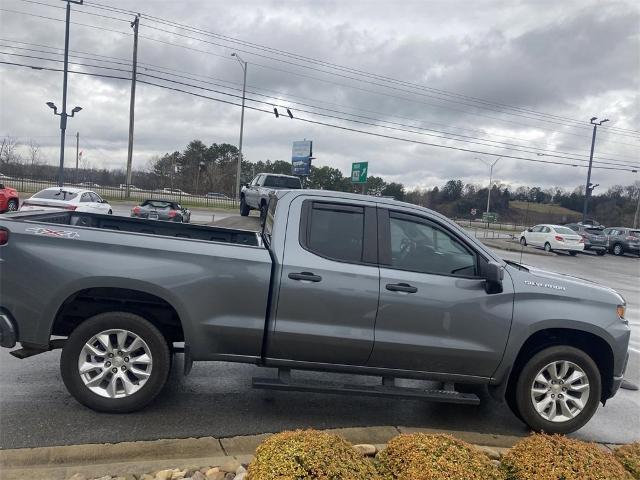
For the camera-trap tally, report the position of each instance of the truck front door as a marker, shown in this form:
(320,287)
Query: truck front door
(434,313)
(329,283)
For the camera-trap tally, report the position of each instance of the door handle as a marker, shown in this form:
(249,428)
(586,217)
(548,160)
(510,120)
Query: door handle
(401,287)
(305,277)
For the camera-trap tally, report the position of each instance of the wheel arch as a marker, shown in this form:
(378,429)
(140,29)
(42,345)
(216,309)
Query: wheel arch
(85,303)
(593,345)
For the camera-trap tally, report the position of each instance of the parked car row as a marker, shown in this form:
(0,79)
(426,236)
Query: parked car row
(578,237)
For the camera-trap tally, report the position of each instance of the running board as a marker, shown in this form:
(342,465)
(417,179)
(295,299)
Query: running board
(445,396)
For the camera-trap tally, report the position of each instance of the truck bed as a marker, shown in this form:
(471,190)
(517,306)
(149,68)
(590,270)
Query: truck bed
(137,225)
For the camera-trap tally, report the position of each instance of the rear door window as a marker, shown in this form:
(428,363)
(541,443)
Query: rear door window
(336,231)
(282,182)
(86,198)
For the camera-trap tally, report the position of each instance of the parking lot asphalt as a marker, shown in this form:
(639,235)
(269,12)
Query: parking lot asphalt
(217,398)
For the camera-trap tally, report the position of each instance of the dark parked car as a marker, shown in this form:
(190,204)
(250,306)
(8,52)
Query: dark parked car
(162,210)
(594,237)
(621,240)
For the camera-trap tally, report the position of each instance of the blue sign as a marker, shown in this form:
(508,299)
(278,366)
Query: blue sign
(301,158)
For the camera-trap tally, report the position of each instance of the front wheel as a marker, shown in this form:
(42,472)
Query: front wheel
(618,250)
(547,247)
(244,208)
(12,205)
(523,241)
(558,390)
(110,212)
(115,362)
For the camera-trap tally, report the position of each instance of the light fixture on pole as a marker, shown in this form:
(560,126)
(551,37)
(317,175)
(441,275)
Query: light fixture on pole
(244,65)
(490,165)
(588,189)
(63,125)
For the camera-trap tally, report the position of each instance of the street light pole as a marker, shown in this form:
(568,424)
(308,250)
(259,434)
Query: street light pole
(132,105)
(243,64)
(63,115)
(490,165)
(588,187)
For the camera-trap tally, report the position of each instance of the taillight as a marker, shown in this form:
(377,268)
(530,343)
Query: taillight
(136,210)
(4,237)
(559,238)
(70,207)
(172,213)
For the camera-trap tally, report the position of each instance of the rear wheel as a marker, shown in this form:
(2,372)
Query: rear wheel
(547,247)
(12,205)
(115,362)
(558,390)
(244,208)
(523,241)
(618,250)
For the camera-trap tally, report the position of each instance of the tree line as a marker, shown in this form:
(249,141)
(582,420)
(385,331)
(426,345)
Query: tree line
(199,169)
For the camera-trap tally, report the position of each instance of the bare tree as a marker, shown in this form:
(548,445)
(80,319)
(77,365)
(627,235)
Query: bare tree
(8,152)
(33,150)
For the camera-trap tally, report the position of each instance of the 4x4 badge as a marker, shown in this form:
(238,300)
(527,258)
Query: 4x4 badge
(53,233)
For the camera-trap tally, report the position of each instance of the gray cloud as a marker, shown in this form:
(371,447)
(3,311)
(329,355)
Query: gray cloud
(572,59)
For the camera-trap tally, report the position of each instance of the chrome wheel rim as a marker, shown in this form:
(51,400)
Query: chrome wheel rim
(560,391)
(13,206)
(617,249)
(115,363)
(547,247)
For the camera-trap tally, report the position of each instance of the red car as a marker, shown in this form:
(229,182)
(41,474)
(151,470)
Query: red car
(9,200)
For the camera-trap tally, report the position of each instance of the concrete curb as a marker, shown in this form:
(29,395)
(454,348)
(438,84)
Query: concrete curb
(121,458)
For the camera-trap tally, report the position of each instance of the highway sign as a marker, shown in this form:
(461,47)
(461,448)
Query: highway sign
(359,172)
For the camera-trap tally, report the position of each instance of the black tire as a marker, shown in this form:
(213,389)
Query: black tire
(523,241)
(618,249)
(601,253)
(115,320)
(573,253)
(547,247)
(524,402)
(110,212)
(244,208)
(12,205)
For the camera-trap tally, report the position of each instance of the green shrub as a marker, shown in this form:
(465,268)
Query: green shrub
(629,457)
(307,455)
(434,457)
(554,457)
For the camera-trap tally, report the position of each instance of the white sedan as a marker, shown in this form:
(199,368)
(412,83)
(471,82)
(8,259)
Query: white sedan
(68,198)
(553,237)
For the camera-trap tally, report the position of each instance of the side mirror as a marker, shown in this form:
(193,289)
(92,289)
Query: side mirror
(493,274)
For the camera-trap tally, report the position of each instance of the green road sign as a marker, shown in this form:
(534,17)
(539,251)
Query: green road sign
(359,172)
(489,217)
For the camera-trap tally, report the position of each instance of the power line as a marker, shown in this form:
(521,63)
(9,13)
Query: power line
(296,73)
(343,68)
(406,130)
(316,122)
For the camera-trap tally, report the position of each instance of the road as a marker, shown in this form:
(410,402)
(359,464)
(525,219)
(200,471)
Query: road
(217,398)
(198,215)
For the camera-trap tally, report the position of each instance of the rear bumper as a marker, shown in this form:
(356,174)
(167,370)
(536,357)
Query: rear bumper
(8,332)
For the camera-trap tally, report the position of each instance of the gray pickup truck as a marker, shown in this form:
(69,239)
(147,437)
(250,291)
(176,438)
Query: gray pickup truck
(335,282)
(255,196)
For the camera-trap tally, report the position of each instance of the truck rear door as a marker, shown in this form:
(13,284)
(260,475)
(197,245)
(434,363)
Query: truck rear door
(329,283)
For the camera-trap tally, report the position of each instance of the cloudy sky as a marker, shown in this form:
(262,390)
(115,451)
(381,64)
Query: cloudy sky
(514,78)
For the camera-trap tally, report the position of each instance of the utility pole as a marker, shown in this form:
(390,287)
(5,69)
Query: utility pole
(589,187)
(132,104)
(77,152)
(243,64)
(637,215)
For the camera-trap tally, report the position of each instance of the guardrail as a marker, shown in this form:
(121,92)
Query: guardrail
(28,185)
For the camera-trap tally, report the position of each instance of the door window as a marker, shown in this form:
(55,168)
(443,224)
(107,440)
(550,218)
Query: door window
(423,247)
(336,231)
(85,198)
(95,197)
